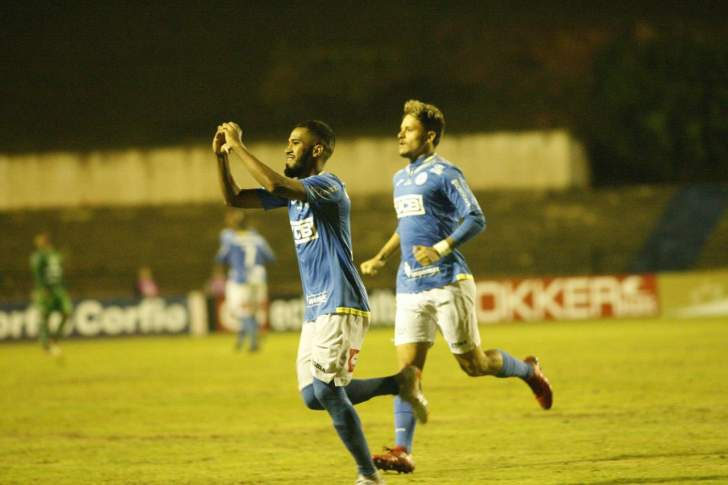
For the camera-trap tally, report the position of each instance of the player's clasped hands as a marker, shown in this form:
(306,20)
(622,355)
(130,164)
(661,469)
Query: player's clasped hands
(218,142)
(227,136)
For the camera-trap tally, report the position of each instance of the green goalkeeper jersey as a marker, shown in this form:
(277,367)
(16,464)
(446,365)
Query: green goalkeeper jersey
(47,268)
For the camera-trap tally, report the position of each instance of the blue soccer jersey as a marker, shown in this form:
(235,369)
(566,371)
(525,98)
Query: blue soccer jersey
(243,252)
(433,201)
(322,235)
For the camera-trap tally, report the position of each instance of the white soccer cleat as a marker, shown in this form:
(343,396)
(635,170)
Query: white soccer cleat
(410,389)
(375,479)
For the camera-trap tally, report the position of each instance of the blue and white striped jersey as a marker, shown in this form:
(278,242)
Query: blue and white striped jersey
(245,253)
(433,201)
(322,235)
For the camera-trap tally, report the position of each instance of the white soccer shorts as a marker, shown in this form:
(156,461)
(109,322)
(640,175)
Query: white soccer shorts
(242,299)
(329,348)
(451,308)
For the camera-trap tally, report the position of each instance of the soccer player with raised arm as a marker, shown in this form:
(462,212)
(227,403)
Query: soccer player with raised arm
(336,315)
(245,253)
(436,213)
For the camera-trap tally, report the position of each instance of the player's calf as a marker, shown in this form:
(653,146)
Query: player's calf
(410,390)
(477,363)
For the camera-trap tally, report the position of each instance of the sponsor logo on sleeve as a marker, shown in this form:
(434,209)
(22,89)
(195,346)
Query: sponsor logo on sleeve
(437,169)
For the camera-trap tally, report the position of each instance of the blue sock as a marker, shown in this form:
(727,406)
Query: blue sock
(360,390)
(251,328)
(346,422)
(242,330)
(404,424)
(513,367)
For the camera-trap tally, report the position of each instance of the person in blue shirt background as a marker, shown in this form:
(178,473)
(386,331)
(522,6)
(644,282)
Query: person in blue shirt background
(336,312)
(245,253)
(436,213)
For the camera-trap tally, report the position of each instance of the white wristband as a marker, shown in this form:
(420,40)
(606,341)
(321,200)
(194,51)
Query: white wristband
(443,248)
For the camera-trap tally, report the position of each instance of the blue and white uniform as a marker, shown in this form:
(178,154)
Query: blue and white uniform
(336,312)
(245,253)
(433,201)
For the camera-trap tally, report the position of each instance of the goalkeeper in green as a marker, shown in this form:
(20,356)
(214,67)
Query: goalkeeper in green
(49,294)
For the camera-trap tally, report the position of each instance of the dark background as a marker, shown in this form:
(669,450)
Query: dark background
(643,84)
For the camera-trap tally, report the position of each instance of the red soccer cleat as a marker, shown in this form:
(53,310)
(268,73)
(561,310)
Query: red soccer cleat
(396,459)
(539,384)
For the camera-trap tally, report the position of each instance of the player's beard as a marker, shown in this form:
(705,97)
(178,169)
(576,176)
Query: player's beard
(302,167)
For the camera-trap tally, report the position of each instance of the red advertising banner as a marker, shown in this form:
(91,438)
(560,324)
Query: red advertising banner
(567,298)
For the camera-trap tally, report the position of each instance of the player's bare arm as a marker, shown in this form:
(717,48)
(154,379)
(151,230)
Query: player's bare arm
(272,181)
(234,196)
(372,266)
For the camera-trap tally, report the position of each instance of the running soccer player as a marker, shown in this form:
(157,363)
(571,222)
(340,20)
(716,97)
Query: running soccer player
(336,315)
(436,213)
(245,253)
(49,294)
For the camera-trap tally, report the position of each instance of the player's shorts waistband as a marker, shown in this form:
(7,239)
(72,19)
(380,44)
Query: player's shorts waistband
(456,280)
(353,311)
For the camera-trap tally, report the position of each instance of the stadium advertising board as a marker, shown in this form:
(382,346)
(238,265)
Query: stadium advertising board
(693,295)
(669,295)
(567,298)
(102,318)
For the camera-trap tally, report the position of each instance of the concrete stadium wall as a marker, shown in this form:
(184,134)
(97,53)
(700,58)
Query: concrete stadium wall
(531,160)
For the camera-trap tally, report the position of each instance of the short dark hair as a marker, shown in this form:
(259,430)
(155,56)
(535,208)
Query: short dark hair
(323,132)
(429,115)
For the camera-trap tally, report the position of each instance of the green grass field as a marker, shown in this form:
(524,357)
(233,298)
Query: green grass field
(635,402)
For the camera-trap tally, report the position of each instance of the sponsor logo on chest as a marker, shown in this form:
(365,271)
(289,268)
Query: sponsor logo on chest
(409,205)
(304,230)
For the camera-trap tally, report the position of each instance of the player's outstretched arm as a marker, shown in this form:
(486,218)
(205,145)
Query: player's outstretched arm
(234,196)
(372,266)
(271,180)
